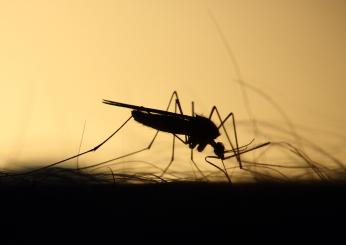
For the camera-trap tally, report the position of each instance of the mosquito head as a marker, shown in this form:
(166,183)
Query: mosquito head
(219,150)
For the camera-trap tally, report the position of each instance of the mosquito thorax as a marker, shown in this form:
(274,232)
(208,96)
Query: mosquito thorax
(204,128)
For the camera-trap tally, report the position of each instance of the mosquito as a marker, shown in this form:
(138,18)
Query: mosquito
(198,132)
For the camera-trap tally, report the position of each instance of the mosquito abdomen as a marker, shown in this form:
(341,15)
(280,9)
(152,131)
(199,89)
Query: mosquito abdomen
(166,123)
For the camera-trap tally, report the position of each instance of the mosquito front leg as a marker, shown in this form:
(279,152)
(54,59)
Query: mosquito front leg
(222,122)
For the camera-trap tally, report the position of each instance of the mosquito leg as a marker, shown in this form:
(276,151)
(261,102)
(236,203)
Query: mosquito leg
(222,170)
(172,159)
(235,136)
(117,158)
(177,103)
(178,106)
(198,169)
(80,154)
(193,161)
(234,149)
(193,114)
(166,168)
(103,142)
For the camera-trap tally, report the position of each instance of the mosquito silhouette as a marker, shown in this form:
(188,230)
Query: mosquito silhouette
(198,132)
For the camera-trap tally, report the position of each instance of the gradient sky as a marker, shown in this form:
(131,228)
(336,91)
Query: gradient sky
(59,59)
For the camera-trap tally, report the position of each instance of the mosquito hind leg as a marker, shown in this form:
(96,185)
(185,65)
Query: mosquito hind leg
(79,154)
(177,105)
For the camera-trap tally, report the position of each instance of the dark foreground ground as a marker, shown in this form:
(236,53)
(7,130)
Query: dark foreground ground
(178,213)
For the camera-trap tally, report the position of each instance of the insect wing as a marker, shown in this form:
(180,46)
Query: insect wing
(145,109)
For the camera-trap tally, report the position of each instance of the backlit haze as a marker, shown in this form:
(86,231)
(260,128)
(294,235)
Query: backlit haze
(59,59)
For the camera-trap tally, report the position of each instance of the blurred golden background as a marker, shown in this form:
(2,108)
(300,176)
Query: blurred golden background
(59,59)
